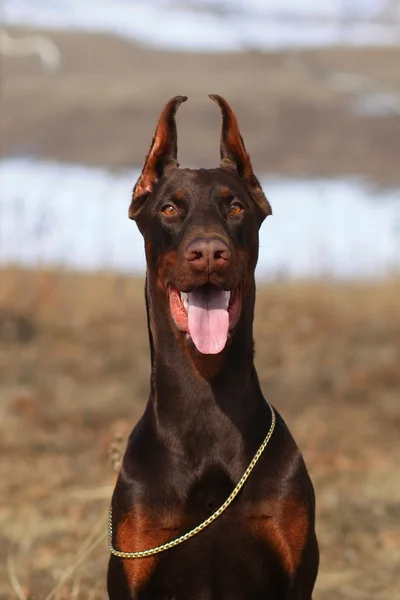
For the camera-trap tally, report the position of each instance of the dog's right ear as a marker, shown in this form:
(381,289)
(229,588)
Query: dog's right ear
(162,156)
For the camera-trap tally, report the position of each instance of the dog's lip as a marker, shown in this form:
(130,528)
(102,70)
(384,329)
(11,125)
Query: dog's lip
(187,289)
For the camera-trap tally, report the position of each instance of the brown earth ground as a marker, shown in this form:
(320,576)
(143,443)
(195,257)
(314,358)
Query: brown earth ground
(296,109)
(74,373)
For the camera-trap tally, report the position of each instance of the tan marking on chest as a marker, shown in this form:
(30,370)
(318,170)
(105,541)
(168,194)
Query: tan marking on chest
(284,524)
(141,530)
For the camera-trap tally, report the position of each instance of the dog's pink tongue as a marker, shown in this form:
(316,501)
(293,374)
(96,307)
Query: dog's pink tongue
(208,320)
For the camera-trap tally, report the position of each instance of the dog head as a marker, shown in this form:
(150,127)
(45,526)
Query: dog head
(200,228)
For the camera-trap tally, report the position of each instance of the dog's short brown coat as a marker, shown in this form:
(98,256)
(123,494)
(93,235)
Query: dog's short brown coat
(206,415)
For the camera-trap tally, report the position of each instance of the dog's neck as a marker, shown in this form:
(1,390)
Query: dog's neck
(185,382)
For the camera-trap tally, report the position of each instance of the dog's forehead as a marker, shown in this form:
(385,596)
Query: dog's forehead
(194,182)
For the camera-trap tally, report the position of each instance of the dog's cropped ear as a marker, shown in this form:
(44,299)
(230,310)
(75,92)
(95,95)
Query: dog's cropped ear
(162,156)
(235,157)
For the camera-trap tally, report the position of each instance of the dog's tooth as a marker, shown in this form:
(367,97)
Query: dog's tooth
(227,298)
(185,300)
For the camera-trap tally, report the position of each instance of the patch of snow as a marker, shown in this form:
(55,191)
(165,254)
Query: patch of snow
(75,216)
(221,25)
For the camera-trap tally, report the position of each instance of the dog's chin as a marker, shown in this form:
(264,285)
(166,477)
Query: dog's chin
(206,316)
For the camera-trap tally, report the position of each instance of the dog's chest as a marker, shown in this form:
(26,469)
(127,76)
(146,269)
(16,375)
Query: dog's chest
(223,561)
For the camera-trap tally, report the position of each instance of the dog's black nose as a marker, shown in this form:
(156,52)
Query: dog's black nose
(208,254)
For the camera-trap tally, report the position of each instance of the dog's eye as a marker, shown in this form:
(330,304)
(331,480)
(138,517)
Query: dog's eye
(235,208)
(169,210)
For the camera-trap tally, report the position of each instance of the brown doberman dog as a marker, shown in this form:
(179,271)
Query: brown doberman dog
(206,417)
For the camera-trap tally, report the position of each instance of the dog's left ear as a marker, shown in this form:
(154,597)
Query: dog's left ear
(235,157)
(162,156)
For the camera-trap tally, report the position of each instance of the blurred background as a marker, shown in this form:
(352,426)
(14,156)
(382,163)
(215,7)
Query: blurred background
(316,89)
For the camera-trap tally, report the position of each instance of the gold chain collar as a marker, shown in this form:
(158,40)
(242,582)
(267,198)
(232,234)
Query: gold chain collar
(211,519)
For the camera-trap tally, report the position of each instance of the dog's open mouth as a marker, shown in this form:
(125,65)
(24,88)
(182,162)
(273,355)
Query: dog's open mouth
(206,314)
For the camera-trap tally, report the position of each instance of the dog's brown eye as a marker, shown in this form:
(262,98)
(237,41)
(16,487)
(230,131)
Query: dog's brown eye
(169,210)
(235,208)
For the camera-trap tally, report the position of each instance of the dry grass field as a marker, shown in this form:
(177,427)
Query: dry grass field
(74,374)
